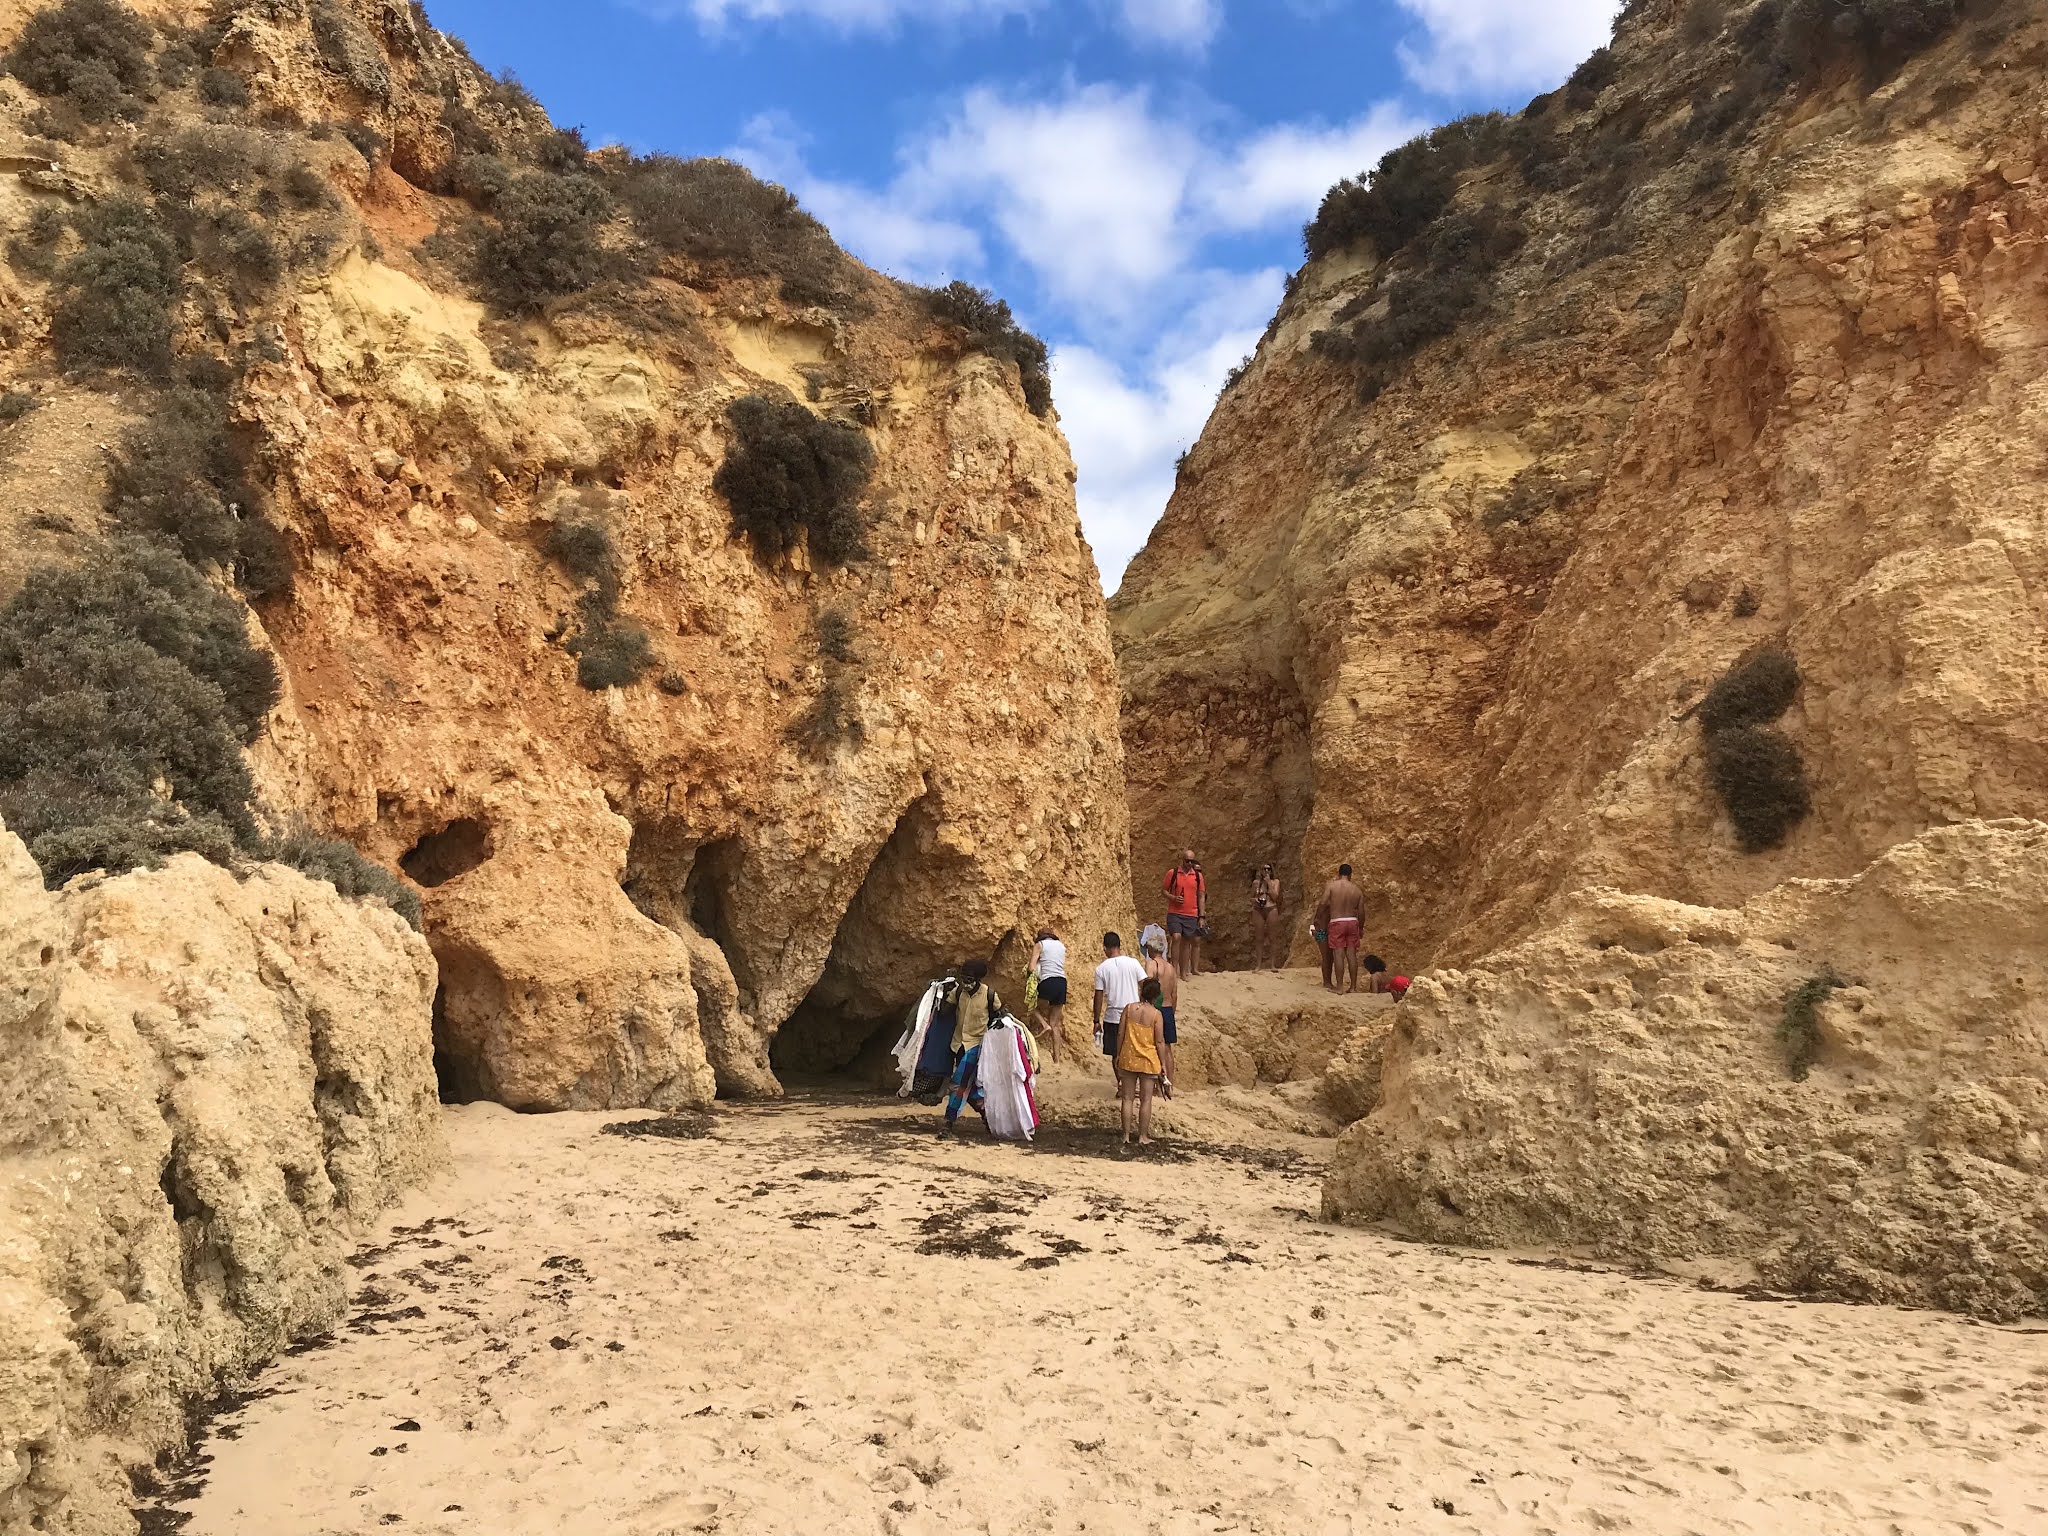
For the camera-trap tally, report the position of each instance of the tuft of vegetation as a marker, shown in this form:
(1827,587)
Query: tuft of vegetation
(223,88)
(1448,282)
(1755,691)
(547,240)
(128,688)
(1876,35)
(1598,70)
(834,716)
(585,546)
(1755,769)
(719,214)
(1405,193)
(793,476)
(179,477)
(93,55)
(1758,774)
(115,294)
(1799,1026)
(35,249)
(342,866)
(611,652)
(347,49)
(836,635)
(17,403)
(988,326)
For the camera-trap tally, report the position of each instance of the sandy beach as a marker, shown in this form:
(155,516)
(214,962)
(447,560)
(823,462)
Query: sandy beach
(815,1317)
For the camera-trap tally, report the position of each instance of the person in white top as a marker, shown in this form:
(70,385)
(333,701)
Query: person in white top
(1117,981)
(1049,965)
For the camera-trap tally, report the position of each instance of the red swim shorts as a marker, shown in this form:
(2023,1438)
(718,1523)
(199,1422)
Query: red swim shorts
(1344,933)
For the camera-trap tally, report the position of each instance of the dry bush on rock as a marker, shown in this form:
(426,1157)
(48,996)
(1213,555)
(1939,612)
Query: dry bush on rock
(91,54)
(791,476)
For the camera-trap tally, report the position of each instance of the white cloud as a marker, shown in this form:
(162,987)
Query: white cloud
(1284,171)
(1498,45)
(1128,427)
(1086,189)
(1177,23)
(1113,207)
(1186,24)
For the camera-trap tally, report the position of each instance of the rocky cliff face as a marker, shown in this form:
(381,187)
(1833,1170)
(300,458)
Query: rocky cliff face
(1636,570)
(212,1084)
(1762,369)
(1840,1084)
(822,779)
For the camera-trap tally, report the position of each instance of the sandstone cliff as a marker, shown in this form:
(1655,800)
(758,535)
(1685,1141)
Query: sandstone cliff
(1762,369)
(817,780)
(212,1084)
(1627,1081)
(1636,570)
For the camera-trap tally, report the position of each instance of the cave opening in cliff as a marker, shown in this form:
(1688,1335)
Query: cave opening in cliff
(883,952)
(468,1001)
(461,846)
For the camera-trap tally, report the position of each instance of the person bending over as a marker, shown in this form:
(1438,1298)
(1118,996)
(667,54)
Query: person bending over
(1377,979)
(1141,1062)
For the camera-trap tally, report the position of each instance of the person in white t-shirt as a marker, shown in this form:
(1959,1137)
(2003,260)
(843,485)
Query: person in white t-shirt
(1049,965)
(1117,981)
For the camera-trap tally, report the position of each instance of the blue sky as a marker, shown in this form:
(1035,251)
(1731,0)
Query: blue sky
(1131,174)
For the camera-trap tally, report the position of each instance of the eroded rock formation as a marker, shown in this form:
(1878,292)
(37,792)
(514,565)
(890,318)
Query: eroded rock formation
(1765,369)
(212,1084)
(829,780)
(1637,572)
(1629,1080)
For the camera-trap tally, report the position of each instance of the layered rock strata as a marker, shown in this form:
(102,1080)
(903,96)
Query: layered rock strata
(213,1084)
(633,890)
(1774,381)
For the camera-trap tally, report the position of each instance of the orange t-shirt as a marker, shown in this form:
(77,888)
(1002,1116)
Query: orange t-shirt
(1183,892)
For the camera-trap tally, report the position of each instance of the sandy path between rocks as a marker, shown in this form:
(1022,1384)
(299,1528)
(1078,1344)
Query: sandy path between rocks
(769,1330)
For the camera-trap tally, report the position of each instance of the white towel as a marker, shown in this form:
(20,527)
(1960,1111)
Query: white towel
(1003,1073)
(911,1046)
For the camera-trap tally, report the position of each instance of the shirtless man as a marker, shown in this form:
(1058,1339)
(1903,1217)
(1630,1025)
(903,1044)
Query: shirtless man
(1345,903)
(1163,971)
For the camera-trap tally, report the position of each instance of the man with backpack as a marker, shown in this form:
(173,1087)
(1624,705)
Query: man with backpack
(1187,913)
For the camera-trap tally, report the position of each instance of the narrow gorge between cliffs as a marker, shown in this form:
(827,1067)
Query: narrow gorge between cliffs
(521,662)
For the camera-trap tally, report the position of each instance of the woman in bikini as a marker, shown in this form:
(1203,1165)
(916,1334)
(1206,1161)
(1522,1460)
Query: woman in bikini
(1266,920)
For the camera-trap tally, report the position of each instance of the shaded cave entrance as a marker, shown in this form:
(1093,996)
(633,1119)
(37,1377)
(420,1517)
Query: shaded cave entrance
(839,1038)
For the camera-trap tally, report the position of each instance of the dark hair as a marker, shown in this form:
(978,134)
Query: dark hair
(974,970)
(1046,933)
(1374,964)
(1344,871)
(1112,940)
(1149,989)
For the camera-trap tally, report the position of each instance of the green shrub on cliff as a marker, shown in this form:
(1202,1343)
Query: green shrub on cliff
(547,240)
(128,688)
(91,54)
(720,214)
(178,476)
(988,326)
(791,476)
(1755,769)
(115,293)
(1404,194)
